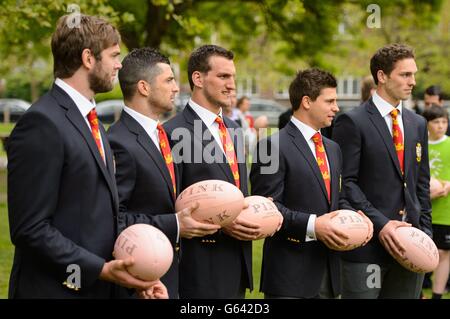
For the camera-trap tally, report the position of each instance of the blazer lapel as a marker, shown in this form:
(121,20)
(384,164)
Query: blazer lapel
(149,146)
(192,118)
(75,117)
(301,144)
(110,165)
(380,125)
(332,163)
(409,127)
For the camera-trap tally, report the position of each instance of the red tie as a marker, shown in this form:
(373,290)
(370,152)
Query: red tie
(397,137)
(228,148)
(93,122)
(322,162)
(167,154)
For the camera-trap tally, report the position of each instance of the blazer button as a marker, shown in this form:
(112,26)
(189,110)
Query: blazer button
(404,184)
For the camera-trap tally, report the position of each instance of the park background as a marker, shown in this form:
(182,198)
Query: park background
(271,39)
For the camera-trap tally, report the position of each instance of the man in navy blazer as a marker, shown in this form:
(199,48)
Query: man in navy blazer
(301,170)
(62,196)
(147,191)
(386,174)
(217,266)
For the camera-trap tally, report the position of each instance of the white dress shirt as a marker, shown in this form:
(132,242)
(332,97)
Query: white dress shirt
(308,133)
(148,124)
(82,103)
(209,118)
(385,110)
(150,127)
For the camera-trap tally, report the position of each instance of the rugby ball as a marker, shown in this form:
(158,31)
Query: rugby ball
(219,202)
(264,212)
(354,226)
(150,248)
(421,254)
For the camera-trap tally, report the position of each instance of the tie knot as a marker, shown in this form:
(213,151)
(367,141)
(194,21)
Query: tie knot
(394,113)
(92,114)
(317,138)
(219,120)
(159,127)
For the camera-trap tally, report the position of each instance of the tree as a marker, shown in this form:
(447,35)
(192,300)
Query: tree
(269,36)
(25,31)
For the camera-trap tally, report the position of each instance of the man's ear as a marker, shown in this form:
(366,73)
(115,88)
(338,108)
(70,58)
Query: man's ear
(88,59)
(381,76)
(197,79)
(143,88)
(306,102)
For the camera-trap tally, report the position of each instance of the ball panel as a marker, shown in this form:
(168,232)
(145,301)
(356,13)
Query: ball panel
(262,211)
(219,201)
(421,254)
(150,248)
(352,224)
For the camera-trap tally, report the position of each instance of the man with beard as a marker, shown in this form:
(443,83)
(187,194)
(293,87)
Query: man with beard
(145,173)
(62,196)
(216,266)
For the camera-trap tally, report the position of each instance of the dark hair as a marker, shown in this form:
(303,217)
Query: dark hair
(139,64)
(434,90)
(386,57)
(309,83)
(240,101)
(434,112)
(199,59)
(70,39)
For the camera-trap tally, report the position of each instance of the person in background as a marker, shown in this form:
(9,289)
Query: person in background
(439,153)
(368,87)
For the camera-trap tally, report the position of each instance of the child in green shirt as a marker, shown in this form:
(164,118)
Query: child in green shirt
(439,156)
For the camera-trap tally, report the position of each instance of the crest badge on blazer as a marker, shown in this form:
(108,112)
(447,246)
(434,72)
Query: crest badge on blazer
(418,152)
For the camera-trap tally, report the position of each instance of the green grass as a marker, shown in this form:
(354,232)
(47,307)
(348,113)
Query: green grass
(6,248)
(257,258)
(6,128)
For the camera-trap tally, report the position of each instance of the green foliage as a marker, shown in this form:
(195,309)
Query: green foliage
(115,94)
(270,38)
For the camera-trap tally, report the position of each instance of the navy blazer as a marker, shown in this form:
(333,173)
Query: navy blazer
(292,267)
(372,177)
(210,266)
(144,185)
(62,202)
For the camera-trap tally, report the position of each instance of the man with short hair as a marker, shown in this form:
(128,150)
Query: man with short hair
(147,179)
(297,260)
(62,196)
(220,265)
(433,95)
(386,174)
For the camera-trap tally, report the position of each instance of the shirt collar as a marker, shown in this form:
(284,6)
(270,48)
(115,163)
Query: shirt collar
(147,123)
(307,131)
(205,115)
(383,106)
(83,104)
(443,138)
